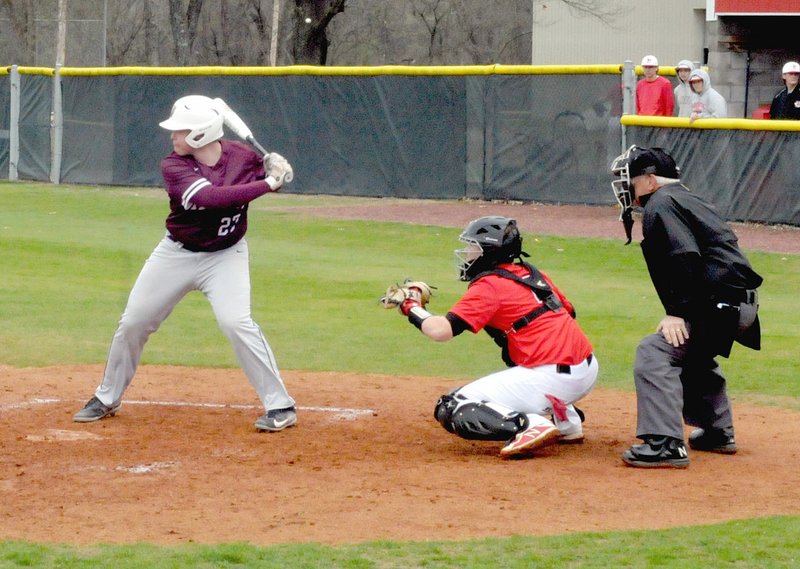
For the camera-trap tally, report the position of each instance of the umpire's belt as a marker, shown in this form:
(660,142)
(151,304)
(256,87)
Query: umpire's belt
(567,369)
(736,296)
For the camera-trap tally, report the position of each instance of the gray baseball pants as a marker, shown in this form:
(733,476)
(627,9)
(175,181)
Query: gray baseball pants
(169,274)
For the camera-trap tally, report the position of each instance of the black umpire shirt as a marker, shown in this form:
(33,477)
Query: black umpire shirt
(786,105)
(692,254)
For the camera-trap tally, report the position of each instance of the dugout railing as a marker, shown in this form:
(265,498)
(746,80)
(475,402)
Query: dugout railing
(520,133)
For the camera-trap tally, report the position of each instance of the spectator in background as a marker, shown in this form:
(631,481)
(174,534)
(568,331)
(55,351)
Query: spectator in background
(786,104)
(654,93)
(683,93)
(707,103)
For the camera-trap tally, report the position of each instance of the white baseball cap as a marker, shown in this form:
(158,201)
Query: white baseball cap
(649,61)
(791,67)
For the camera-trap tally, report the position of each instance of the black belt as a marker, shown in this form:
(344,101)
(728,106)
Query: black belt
(750,297)
(736,296)
(566,368)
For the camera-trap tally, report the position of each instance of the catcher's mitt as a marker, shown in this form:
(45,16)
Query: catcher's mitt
(397,294)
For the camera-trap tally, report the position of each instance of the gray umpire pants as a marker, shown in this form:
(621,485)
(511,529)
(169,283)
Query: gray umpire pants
(673,385)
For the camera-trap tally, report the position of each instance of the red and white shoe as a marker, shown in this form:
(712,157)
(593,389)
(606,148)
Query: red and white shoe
(571,439)
(529,440)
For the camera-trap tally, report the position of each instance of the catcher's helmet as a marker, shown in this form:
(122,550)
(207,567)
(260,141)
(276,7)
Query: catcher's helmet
(490,240)
(200,116)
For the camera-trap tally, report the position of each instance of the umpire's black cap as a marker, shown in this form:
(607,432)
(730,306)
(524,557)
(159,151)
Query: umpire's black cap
(653,161)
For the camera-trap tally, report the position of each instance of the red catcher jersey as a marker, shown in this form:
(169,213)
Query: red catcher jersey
(552,338)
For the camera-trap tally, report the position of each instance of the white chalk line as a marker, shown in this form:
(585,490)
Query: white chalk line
(146,468)
(347,413)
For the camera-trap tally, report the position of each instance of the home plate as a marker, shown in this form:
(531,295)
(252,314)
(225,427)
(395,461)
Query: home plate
(56,435)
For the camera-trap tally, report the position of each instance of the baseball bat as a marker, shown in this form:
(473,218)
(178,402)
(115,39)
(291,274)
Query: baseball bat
(240,129)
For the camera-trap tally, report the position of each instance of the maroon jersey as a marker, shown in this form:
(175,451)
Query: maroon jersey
(208,204)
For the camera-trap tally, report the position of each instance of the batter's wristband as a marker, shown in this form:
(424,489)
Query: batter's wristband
(418,315)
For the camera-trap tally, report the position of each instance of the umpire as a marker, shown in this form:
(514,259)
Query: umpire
(708,290)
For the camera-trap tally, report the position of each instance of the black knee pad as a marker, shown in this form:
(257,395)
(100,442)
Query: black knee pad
(445,406)
(478,421)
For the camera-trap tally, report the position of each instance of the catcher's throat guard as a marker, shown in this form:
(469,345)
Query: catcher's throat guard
(483,421)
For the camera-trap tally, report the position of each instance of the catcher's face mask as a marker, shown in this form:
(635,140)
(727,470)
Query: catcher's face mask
(622,186)
(466,257)
(623,189)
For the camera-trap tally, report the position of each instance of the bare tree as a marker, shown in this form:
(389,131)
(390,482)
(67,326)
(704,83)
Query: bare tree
(235,32)
(432,13)
(151,35)
(183,23)
(22,44)
(259,17)
(480,36)
(122,44)
(601,9)
(239,32)
(310,22)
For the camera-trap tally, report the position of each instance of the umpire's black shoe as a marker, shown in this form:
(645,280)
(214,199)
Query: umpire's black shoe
(657,452)
(713,440)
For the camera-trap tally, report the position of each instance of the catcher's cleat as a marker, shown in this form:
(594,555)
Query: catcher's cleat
(657,452)
(529,440)
(95,410)
(713,440)
(277,420)
(571,438)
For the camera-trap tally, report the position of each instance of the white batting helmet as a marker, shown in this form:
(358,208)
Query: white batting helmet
(200,116)
(791,67)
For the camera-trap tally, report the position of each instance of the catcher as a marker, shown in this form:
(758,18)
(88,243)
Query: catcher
(550,360)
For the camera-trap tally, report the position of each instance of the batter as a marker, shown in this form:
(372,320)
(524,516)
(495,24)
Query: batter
(210,182)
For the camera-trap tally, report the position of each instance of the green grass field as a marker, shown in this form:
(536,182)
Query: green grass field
(71,254)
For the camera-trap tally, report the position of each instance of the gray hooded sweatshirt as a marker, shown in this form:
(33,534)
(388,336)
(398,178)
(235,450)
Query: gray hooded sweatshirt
(683,92)
(708,103)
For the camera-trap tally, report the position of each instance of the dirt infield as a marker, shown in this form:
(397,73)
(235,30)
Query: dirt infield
(569,220)
(183,463)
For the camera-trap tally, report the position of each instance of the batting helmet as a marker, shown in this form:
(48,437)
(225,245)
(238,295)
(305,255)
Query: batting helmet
(200,116)
(490,240)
